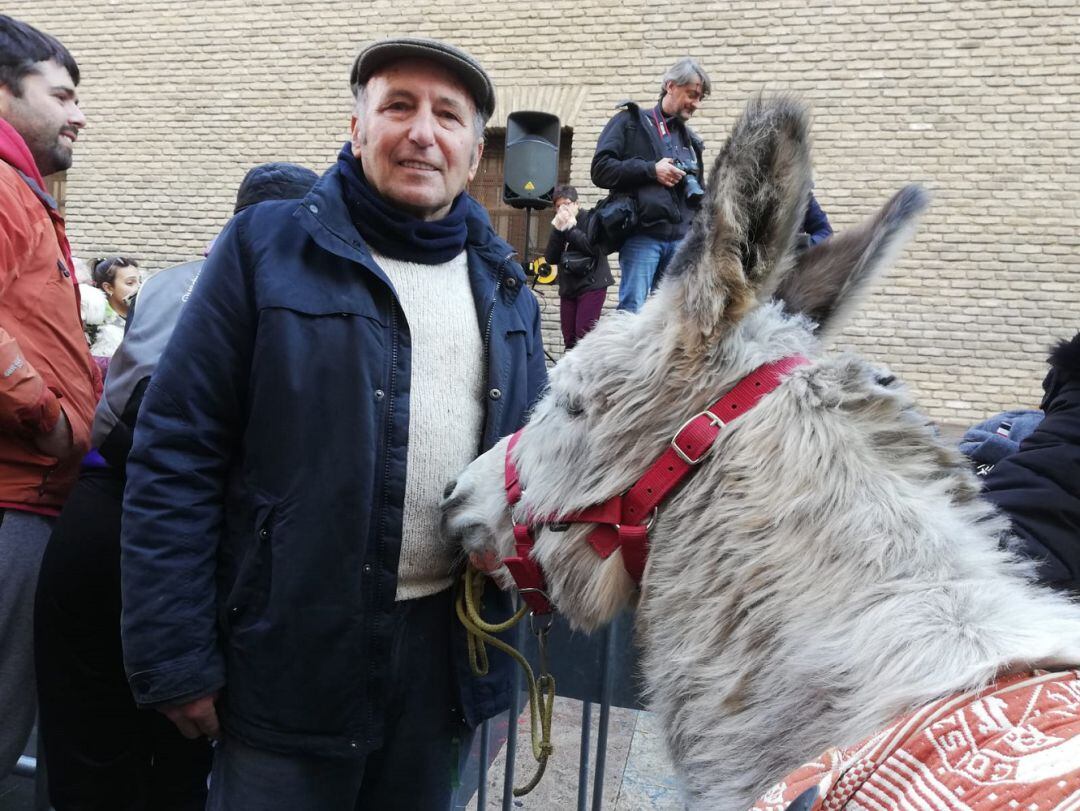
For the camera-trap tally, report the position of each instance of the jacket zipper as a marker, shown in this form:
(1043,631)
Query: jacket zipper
(380,544)
(487,342)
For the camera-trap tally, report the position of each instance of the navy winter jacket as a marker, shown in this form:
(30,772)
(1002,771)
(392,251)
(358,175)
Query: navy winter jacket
(263,511)
(1038,486)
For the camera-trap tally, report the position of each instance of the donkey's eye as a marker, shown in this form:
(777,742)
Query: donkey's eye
(573,407)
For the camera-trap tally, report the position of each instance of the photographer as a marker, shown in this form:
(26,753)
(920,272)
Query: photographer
(584,274)
(653,156)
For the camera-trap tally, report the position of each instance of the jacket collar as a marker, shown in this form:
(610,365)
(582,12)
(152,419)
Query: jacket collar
(15,153)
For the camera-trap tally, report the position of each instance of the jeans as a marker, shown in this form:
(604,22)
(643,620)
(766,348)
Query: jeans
(642,261)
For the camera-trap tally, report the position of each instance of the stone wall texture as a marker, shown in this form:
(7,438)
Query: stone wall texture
(979,100)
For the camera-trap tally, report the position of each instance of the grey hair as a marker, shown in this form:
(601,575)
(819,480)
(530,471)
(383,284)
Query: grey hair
(479,120)
(686,71)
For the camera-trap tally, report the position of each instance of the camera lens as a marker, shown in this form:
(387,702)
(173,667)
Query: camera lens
(694,192)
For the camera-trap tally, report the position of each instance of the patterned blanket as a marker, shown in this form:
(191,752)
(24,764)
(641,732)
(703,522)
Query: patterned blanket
(1013,746)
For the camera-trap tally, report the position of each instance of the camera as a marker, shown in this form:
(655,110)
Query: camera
(691,186)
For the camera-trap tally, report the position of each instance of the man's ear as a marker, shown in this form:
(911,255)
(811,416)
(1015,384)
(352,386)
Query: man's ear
(476,160)
(356,136)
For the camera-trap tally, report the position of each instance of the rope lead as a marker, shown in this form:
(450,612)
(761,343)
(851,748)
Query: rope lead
(541,690)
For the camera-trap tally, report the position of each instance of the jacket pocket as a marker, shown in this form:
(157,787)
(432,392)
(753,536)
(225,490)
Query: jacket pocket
(43,293)
(250,593)
(325,297)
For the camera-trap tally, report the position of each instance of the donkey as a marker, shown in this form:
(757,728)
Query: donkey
(829,566)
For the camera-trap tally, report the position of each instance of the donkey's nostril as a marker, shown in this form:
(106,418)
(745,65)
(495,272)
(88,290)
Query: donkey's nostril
(449,489)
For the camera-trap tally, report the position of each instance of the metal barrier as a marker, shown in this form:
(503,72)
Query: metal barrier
(595,670)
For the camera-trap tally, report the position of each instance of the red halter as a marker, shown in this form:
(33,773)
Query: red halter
(623,521)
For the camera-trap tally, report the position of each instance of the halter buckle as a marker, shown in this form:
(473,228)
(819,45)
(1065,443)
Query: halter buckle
(715,420)
(648,523)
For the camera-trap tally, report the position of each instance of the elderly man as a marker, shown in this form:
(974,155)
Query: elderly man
(655,157)
(337,362)
(49,383)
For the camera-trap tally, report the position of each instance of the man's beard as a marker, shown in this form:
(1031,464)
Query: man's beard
(52,157)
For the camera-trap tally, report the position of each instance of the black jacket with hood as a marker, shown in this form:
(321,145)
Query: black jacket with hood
(1038,486)
(625,162)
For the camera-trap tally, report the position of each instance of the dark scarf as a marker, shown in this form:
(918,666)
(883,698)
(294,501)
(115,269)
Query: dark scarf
(393,232)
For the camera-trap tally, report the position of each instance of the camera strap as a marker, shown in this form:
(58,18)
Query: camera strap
(671,146)
(665,135)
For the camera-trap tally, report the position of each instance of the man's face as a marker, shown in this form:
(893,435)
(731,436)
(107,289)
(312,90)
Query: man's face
(682,99)
(46,115)
(415,137)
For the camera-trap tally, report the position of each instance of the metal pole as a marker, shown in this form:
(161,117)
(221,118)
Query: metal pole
(528,233)
(583,762)
(519,642)
(481,788)
(511,731)
(607,678)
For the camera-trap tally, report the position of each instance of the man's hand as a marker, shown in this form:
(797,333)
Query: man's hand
(196,718)
(58,441)
(667,174)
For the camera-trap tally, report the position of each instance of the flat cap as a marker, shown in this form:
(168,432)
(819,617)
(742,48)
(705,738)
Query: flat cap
(465,67)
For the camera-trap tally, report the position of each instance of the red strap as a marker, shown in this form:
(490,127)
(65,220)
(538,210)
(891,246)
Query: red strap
(604,538)
(623,522)
(526,572)
(634,543)
(695,439)
(609,512)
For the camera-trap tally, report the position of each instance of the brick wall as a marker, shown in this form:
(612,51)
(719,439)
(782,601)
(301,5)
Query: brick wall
(978,100)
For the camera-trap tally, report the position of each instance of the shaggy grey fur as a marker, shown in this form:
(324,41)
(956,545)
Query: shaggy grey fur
(830,565)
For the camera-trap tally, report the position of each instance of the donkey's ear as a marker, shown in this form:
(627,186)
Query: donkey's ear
(829,279)
(740,245)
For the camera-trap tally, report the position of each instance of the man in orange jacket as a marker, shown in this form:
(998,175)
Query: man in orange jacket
(49,384)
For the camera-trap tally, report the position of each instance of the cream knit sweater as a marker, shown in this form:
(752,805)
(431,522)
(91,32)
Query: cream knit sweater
(446,409)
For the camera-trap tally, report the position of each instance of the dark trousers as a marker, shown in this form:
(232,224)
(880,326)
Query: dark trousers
(579,314)
(424,744)
(102,751)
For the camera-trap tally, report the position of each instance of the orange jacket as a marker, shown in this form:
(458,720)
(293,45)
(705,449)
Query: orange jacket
(45,363)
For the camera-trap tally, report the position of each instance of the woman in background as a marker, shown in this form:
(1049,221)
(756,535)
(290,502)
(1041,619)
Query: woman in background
(117,277)
(584,274)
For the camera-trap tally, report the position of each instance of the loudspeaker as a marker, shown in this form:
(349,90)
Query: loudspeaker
(532,159)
